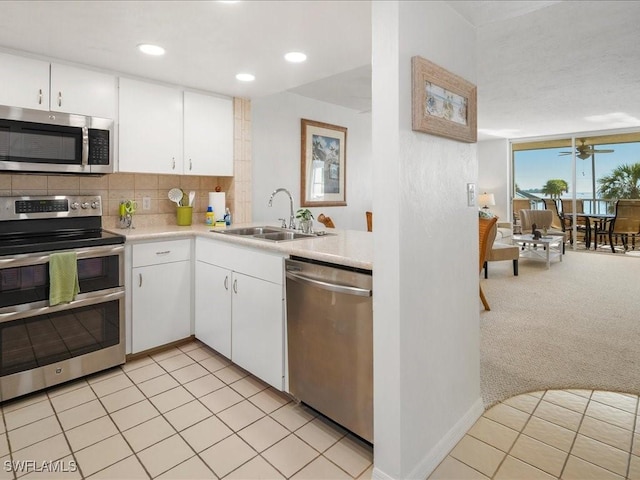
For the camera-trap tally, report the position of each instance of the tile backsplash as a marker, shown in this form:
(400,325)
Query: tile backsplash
(124,186)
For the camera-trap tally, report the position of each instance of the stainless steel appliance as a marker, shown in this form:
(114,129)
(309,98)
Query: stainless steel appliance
(330,341)
(43,345)
(51,142)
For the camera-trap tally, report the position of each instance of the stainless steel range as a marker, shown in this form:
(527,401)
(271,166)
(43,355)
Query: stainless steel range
(43,345)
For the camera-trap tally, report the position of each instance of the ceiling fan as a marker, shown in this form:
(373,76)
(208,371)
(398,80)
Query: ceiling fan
(584,151)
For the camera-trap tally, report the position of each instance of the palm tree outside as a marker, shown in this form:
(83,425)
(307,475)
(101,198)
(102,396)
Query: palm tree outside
(622,182)
(555,187)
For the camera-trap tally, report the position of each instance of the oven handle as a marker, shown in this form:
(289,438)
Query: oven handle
(28,259)
(31,310)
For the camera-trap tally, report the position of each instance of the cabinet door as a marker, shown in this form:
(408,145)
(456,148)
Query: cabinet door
(213,307)
(150,131)
(257,328)
(208,135)
(83,92)
(161,304)
(24,82)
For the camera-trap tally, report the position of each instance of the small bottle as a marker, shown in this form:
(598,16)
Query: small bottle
(227,217)
(209,218)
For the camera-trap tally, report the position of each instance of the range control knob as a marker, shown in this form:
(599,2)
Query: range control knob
(95,204)
(85,205)
(74,205)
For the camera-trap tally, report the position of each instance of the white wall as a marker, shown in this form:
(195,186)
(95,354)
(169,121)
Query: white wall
(276,157)
(426,305)
(494,172)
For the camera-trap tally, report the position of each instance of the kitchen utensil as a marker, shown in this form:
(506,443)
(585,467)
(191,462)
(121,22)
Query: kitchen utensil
(175,195)
(192,197)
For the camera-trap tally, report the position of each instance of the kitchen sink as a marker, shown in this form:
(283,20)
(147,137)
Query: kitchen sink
(250,231)
(271,234)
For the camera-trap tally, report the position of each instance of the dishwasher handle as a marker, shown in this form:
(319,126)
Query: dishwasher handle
(332,287)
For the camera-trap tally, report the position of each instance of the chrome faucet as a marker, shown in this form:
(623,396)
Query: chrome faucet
(292,223)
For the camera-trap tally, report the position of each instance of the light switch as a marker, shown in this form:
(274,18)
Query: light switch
(471,194)
(146,203)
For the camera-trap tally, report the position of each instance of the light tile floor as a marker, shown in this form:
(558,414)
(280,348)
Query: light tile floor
(182,413)
(188,413)
(568,434)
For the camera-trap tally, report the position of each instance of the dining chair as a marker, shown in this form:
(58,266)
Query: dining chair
(626,223)
(326,221)
(583,225)
(369,221)
(485,226)
(552,205)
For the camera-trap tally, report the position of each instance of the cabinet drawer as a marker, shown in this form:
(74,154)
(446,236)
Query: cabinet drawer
(254,263)
(155,253)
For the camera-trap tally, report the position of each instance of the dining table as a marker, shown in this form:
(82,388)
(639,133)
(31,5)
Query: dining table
(595,224)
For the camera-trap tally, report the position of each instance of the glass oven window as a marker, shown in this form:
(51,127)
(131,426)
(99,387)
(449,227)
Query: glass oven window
(46,339)
(30,284)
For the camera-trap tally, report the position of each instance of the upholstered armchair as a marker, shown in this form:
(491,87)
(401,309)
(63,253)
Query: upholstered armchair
(541,219)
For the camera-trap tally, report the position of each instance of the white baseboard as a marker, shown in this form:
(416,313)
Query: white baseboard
(442,448)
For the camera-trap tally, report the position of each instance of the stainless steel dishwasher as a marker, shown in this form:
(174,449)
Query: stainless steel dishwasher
(330,341)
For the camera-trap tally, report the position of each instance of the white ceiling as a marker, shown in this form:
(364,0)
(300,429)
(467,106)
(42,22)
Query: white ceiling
(545,67)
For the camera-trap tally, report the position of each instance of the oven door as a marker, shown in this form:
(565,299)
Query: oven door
(24,279)
(42,347)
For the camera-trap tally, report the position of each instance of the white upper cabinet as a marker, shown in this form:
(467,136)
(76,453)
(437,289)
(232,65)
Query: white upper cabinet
(83,92)
(208,135)
(36,84)
(24,82)
(150,130)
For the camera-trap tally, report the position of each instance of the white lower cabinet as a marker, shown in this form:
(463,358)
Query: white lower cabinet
(213,307)
(257,328)
(239,312)
(161,293)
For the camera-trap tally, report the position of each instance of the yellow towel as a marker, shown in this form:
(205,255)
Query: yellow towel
(63,278)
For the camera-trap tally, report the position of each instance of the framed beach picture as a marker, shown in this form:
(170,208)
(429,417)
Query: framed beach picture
(443,103)
(323,164)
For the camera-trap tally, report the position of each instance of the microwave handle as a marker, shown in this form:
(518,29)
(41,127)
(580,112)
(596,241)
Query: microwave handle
(85,146)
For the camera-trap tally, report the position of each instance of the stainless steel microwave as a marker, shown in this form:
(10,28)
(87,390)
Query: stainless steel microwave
(52,142)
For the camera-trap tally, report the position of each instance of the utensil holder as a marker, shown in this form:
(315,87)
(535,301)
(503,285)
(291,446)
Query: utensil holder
(184,216)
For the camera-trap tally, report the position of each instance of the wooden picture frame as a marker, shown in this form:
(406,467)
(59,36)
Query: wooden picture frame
(443,103)
(323,164)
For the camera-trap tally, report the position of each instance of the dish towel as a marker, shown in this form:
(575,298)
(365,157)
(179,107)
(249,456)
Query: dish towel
(63,278)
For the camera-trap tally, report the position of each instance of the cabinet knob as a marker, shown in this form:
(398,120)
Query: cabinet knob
(59,99)
(226,282)
(173,166)
(190,164)
(235,286)
(40,97)
(140,280)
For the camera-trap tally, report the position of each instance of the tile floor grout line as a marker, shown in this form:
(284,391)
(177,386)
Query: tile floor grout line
(635,424)
(120,431)
(148,399)
(575,437)
(6,432)
(520,433)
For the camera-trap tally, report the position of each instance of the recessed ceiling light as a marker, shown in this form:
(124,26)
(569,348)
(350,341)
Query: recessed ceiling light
(295,57)
(245,77)
(151,49)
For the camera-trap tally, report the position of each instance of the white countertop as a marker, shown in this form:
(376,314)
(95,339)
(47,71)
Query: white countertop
(353,248)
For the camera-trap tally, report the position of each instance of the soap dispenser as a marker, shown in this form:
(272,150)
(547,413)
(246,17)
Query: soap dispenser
(209,218)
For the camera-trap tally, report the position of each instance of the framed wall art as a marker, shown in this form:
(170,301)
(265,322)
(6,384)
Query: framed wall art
(323,164)
(443,103)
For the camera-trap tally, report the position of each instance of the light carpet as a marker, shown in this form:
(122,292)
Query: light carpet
(575,325)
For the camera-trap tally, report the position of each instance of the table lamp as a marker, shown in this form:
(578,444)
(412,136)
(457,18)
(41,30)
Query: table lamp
(486,199)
